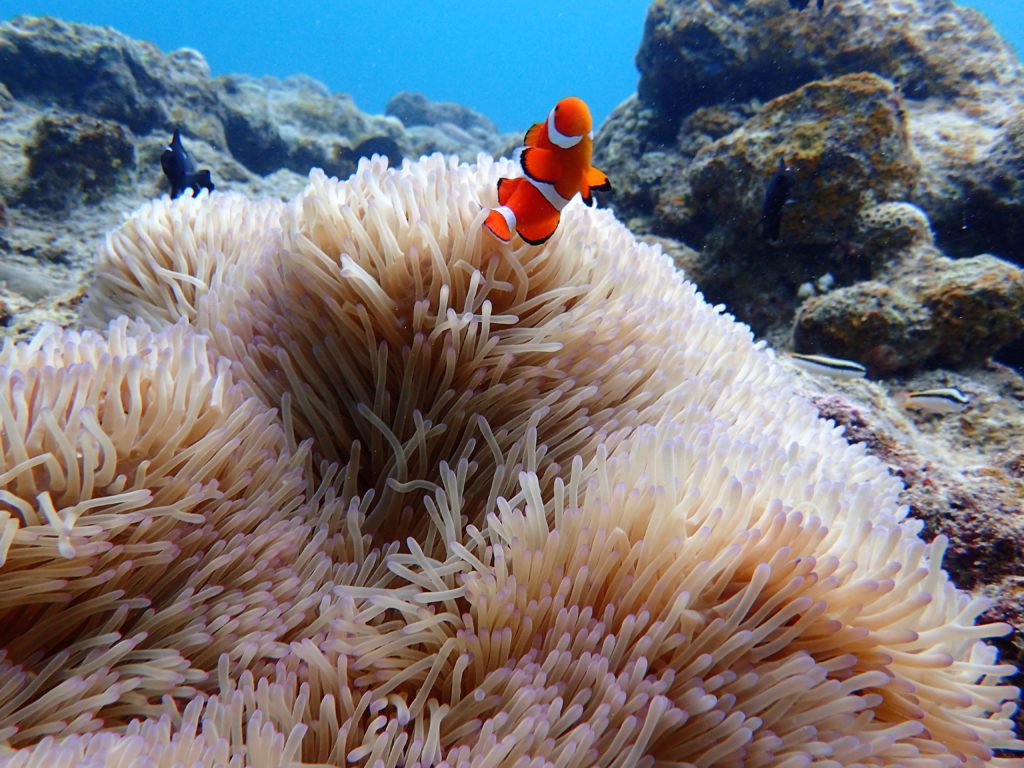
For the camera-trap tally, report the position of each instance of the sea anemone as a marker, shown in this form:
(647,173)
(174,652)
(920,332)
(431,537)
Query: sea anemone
(152,520)
(556,510)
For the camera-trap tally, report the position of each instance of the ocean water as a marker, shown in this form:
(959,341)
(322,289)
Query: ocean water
(509,60)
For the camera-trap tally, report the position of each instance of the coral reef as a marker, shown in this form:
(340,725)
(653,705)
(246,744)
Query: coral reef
(443,126)
(872,103)
(928,311)
(846,141)
(75,159)
(577,517)
(888,227)
(86,111)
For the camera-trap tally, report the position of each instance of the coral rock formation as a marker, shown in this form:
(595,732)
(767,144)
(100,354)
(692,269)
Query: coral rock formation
(925,309)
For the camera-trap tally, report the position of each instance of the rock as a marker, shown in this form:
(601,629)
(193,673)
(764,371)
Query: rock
(85,113)
(443,126)
(295,123)
(976,305)
(876,324)
(885,228)
(637,166)
(963,474)
(28,280)
(265,124)
(100,72)
(930,311)
(930,108)
(846,141)
(416,109)
(696,54)
(973,185)
(72,157)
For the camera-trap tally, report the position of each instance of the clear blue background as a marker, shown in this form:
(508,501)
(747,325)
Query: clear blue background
(509,60)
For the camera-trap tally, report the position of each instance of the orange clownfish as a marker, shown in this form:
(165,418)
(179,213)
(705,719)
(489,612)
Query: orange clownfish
(556,164)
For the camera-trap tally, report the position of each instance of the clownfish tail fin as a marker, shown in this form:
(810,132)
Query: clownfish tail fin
(500,222)
(537,232)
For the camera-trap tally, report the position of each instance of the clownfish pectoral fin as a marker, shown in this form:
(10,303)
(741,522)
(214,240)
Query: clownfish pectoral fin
(532,135)
(541,165)
(505,189)
(596,179)
(538,229)
(593,179)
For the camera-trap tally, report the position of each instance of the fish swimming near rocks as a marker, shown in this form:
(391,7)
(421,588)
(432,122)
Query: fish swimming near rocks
(776,195)
(556,166)
(180,169)
(829,366)
(938,400)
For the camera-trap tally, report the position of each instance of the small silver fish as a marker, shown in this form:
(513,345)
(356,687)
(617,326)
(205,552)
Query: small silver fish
(830,366)
(939,400)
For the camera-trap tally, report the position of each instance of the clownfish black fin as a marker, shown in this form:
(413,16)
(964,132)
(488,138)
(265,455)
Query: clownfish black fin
(541,165)
(537,231)
(596,179)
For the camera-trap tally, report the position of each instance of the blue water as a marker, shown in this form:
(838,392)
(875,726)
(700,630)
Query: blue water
(509,60)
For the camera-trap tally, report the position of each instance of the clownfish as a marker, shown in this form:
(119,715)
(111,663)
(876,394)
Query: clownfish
(556,165)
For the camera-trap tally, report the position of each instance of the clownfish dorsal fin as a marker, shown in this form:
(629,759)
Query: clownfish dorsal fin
(533,135)
(541,165)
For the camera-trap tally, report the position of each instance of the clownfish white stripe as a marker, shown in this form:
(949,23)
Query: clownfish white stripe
(509,215)
(558,138)
(550,193)
(830,366)
(940,400)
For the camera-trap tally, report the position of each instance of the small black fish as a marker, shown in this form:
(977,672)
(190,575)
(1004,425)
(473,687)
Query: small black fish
(775,198)
(180,169)
(801,4)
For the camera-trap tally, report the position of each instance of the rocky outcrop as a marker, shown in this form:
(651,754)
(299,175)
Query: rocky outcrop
(86,111)
(917,105)
(933,311)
